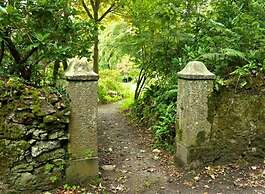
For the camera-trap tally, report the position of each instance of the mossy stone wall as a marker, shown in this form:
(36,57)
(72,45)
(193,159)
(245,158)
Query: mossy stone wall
(33,137)
(237,116)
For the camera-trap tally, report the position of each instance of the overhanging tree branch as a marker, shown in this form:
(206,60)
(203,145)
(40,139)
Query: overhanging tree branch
(87,10)
(106,12)
(93,4)
(14,52)
(28,55)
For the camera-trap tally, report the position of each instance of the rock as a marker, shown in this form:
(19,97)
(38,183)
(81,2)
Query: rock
(108,167)
(67,113)
(46,108)
(17,151)
(44,146)
(56,134)
(59,105)
(22,117)
(25,180)
(53,98)
(56,154)
(29,117)
(48,176)
(156,158)
(32,141)
(50,119)
(22,168)
(63,138)
(64,120)
(40,135)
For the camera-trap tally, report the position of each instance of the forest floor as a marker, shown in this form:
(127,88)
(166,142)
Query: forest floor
(129,164)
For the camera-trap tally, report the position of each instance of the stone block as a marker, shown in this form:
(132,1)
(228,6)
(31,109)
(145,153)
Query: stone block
(82,147)
(81,171)
(195,86)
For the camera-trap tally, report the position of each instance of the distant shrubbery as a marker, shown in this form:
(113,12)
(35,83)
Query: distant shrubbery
(111,88)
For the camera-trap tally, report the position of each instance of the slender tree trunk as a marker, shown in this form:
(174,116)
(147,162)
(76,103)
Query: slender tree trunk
(95,4)
(65,65)
(140,84)
(21,67)
(96,40)
(56,67)
(96,55)
(2,52)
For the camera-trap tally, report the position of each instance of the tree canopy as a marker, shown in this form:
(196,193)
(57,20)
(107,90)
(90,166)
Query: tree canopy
(34,33)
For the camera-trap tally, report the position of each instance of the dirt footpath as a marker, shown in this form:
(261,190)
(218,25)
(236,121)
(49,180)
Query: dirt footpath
(129,164)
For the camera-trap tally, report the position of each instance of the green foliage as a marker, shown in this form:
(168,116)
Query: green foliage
(112,41)
(111,88)
(89,153)
(157,108)
(54,179)
(69,187)
(49,167)
(227,35)
(34,34)
(127,104)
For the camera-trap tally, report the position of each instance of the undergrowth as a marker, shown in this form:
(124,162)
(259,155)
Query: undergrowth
(111,89)
(157,109)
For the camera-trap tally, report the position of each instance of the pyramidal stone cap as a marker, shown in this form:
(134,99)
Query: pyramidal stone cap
(79,69)
(195,70)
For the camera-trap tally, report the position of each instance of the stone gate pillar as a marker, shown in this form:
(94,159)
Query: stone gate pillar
(195,85)
(82,147)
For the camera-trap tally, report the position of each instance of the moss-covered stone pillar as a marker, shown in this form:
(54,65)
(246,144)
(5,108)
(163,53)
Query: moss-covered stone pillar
(82,147)
(195,85)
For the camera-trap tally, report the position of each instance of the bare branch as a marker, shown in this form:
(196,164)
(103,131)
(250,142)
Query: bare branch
(87,10)
(92,2)
(106,12)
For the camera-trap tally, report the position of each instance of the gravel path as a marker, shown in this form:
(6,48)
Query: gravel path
(129,164)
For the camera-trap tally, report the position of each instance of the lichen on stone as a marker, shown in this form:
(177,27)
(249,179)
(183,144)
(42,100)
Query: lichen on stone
(31,135)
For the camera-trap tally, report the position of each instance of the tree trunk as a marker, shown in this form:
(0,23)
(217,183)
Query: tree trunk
(65,65)
(2,52)
(95,4)
(96,40)
(140,84)
(96,54)
(21,67)
(56,67)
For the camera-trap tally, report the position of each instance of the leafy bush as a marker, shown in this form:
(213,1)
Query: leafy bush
(157,109)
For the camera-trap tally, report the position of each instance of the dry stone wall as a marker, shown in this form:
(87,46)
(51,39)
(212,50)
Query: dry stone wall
(33,137)
(238,123)
(238,129)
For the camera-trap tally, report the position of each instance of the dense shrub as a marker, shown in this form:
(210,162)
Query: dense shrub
(157,109)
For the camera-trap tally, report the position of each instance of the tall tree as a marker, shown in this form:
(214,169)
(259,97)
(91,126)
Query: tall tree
(36,33)
(97,11)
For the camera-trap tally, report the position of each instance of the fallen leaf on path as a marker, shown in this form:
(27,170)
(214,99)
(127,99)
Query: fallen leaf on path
(108,167)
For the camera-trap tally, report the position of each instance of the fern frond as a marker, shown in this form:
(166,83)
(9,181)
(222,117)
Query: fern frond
(234,53)
(210,56)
